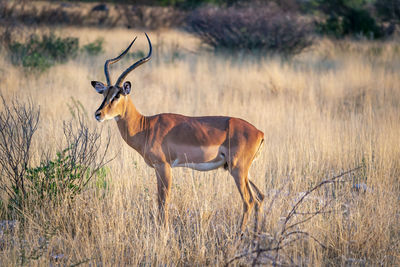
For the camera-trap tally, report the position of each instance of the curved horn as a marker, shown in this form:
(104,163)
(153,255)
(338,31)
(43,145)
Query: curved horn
(113,60)
(135,65)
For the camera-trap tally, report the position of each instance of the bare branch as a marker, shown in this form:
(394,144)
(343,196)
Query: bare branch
(18,123)
(313,214)
(308,192)
(307,234)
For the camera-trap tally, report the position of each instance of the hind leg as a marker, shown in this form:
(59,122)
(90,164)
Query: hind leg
(242,183)
(259,202)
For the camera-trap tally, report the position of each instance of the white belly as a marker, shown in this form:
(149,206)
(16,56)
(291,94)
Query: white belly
(203,166)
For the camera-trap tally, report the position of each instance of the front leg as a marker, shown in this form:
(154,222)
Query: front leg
(164,182)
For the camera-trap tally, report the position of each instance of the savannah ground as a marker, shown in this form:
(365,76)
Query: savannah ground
(330,109)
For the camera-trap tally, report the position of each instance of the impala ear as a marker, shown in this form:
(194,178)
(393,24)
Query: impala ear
(99,86)
(126,88)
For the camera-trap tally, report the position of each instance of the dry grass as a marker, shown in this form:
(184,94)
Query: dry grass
(325,111)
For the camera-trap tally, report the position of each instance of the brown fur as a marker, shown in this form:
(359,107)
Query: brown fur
(167,139)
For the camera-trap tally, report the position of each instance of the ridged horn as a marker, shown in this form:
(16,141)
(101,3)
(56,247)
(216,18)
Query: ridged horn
(136,64)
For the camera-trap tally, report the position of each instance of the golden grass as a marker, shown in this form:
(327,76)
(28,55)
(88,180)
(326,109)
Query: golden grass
(327,110)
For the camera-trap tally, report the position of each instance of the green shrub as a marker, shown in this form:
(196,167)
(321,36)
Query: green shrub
(137,54)
(62,177)
(348,17)
(42,52)
(22,186)
(36,61)
(355,22)
(57,177)
(101,183)
(94,48)
(388,10)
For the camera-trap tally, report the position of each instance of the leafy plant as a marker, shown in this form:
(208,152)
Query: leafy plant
(348,17)
(42,52)
(85,155)
(53,180)
(102,185)
(388,10)
(57,177)
(94,48)
(62,177)
(137,54)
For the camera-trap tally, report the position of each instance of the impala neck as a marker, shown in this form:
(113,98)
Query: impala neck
(130,122)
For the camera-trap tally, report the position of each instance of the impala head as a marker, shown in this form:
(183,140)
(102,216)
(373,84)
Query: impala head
(115,95)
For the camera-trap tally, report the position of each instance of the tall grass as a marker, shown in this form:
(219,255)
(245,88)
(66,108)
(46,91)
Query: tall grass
(323,112)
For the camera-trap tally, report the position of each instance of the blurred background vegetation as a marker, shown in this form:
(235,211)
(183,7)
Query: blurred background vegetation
(370,19)
(262,27)
(284,27)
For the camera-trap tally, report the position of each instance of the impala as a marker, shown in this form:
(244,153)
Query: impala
(171,140)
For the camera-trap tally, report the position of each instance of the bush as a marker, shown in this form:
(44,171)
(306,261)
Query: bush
(388,10)
(24,187)
(360,21)
(190,4)
(152,17)
(62,177)
(94,48)
(347,17)
(43,52)
(264,28)
(55,177)
(18,123)
(355,22)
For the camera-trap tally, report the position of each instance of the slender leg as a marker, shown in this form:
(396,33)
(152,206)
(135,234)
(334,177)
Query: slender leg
(260,198)
(164,181)
(243,186)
